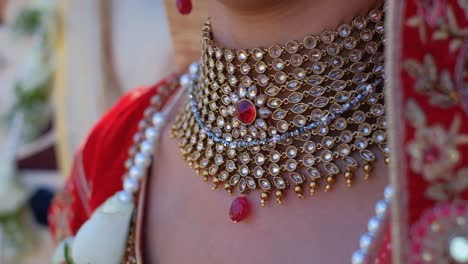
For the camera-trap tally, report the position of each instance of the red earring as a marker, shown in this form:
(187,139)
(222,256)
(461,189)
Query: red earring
(184,6)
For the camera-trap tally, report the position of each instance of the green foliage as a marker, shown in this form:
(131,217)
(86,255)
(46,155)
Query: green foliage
(28,21)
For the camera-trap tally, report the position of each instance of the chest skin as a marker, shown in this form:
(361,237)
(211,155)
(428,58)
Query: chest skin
(186,222)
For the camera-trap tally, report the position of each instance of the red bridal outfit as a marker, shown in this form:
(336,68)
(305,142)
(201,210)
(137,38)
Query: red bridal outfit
(426,93)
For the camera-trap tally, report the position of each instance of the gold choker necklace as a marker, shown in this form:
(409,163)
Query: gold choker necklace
(278,118)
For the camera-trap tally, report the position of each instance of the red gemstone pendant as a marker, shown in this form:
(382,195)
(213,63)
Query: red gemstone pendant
(240,209)
(245,111)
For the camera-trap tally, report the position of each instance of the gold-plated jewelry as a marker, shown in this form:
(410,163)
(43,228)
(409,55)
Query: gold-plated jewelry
(287,117)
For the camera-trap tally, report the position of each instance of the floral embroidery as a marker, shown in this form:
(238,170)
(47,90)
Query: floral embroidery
(440,235)
(61,214)
(438,86)
(433,151)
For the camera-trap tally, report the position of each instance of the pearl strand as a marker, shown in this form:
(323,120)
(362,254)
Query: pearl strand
(374,228)
(145,141)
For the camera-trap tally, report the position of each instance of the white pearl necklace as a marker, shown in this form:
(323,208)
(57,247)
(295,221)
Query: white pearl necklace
(141,160)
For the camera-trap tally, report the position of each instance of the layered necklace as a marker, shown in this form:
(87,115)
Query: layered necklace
(286,118)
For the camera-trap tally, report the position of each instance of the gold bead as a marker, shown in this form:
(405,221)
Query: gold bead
(328,187)
(367,167)
(227,186)
(348,175)
(387,160)
(278,195)
(313,184)
(366,176)
(205,178)
(330,179)
(348,182)
(262,202)
(264,195)
(215,180)
(298,190)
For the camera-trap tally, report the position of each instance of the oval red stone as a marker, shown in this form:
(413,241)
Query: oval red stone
(184,6)
(245,111)
(240,209)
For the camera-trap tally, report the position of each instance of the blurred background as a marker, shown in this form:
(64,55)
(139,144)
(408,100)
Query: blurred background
(63,63)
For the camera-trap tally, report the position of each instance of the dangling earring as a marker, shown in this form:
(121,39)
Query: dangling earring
(184,6)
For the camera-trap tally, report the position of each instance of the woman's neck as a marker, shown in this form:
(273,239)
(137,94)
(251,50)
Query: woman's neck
(241,24)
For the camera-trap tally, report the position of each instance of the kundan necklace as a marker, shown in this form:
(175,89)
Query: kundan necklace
(273,119)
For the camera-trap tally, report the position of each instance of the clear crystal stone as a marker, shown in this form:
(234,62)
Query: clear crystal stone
(292,47)
(258,172)
(350,162)
(315,55)
(333,49)
(264,112)
(251,183)
(341,123)
(291,165)
(367,155)
(360,143)
(365,129)
(344,149)
(244,68)
(274,102)
(295,97)
(359,117)
(318,68)
(344,30)
(328,142)
(308,160)
(335,74)
(282,126)
(234,180)
(299,73)
(366,34)
(230,166)
(275,51)
(232,80)
(275,156)
(327,37)
(337,62)
(278,64)
(260,67)
(279,183)
(279,114)
(309,147)
(228,55)
(296,178)
(310,42)
(299,108)
(296,60)
(346,136)
(274,169)
(257,54)
(315,80)
(355,55)
(291,151)
(243,170)
(223,176)
(342,96)
(313,173)
(338,85)
(320,102)
(326,155)
(332,168)
(293,85)
(242,55)
(259,159)
(378,109)
(261,99)
(299,121)
(379,136)
(280,77)
(264,184)
(272,90)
